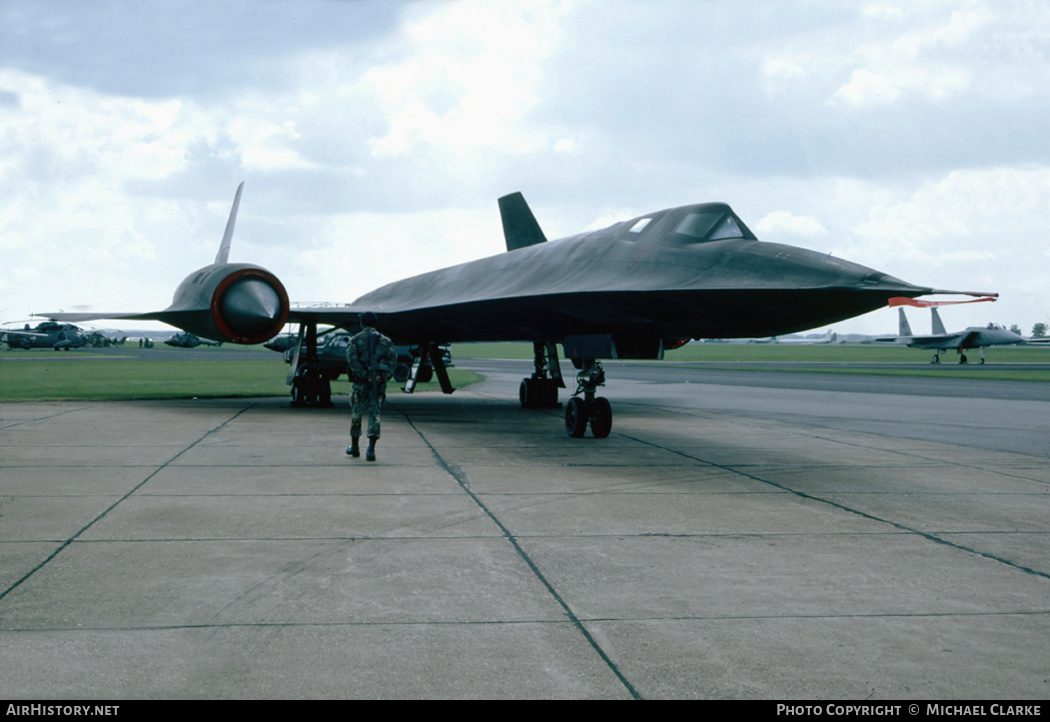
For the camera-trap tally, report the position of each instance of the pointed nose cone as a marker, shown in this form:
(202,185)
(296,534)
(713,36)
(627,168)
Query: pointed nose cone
(885,283)
(251,307)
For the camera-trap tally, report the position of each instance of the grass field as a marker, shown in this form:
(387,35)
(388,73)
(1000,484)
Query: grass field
(804,357)
(94,379)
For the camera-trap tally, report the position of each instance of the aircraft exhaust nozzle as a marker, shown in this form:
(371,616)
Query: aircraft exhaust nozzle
(250,307)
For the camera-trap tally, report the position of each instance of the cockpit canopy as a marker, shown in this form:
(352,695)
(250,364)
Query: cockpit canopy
(687,225)
(712,222)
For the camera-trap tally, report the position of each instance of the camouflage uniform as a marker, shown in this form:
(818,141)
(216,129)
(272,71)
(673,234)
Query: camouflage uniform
(361,398)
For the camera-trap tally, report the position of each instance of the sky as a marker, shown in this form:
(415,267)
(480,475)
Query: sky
(375,137)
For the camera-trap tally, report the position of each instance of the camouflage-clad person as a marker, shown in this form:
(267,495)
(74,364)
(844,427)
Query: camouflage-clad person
(371,357)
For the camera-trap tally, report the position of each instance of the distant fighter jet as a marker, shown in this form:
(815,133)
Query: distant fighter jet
(188,340)
(629,291)
(49,334)
(940,340)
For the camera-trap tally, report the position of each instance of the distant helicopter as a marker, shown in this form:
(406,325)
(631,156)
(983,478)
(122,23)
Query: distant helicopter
(185,339)
(98,339)
(49,334)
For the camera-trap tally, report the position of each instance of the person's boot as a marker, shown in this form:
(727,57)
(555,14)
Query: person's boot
(370,453)
(354,449)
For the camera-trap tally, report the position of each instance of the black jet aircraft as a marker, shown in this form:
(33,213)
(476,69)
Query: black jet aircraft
(940,340)
(629,291)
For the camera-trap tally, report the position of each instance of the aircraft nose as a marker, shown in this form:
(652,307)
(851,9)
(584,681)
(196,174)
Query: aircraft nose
(877,280)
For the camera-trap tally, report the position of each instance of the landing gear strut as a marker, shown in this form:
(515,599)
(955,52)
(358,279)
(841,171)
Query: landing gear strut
(428,361)
(310,387)
(590,409)
(540,391)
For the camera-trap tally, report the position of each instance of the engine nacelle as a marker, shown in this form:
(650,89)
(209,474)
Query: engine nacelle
(235,302)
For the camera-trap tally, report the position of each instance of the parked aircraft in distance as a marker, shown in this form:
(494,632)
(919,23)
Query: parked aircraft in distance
(940,340)
(186,339)
(628,291)
(49,334)
(828,338)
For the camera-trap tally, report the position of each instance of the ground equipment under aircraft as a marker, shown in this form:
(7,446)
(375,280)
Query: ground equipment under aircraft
(631,290)
(330,362)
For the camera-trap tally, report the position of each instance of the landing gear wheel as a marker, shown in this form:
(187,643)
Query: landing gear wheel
(936,359)
(538,394)
(526,394)
(601,418)
(550,395)
(962,358)
(575,418)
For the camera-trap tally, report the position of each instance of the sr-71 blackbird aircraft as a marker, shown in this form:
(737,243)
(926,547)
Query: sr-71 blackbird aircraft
(629,291)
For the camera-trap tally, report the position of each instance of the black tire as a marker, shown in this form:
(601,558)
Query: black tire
(425,374)
(401,373)
(550,395)
(575,418)
(526,394)
(601,418)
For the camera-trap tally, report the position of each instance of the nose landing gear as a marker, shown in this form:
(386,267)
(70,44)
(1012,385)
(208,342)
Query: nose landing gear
(592,410)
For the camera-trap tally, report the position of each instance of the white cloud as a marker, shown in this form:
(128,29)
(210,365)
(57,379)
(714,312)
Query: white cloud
(786,222)
(473,73)
(930,61)
(882,11)
(965,207)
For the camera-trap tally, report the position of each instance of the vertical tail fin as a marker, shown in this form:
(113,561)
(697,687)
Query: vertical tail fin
(935,322)
(224,248)
(519,225)
(905,329)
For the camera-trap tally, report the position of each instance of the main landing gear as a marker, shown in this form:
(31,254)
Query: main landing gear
(962,357)
(592,410)
(310,387)
(540,391)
